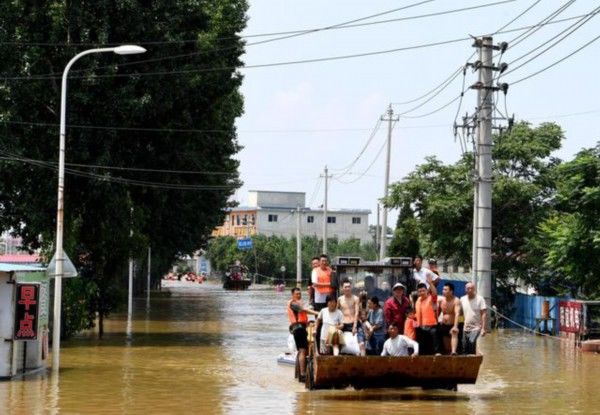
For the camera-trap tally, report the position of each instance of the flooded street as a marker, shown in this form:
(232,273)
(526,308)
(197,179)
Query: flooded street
(205,350)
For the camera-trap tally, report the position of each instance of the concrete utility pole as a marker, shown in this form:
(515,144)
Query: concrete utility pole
(130,287)
(390,118)
(298,249)
(483,220)
(148,278)
(377,231)
(326,176)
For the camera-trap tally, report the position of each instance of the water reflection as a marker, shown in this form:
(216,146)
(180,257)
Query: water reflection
(210,351)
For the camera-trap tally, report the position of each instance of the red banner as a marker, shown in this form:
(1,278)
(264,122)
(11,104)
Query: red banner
(26,311)
(570,316)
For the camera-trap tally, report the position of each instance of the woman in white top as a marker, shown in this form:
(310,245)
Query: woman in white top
(331,321)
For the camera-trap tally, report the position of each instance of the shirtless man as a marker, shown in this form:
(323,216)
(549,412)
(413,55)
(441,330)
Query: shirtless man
(449,307)
(349,306)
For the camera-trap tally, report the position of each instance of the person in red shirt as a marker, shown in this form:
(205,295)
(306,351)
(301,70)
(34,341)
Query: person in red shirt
(395,307)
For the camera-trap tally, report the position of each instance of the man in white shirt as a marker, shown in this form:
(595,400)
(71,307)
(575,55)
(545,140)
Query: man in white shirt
(420,274)
(398,344)
(475,312)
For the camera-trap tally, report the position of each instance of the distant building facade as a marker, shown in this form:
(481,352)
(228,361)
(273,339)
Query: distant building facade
(273,213)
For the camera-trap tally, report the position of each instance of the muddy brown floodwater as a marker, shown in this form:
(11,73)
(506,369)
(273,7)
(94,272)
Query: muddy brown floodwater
(208,351)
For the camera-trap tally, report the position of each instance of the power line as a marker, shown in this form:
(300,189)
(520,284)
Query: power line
(184,130)
(360,176)
(416,107)
(288,36)
(569,31)
(116,179)
(343,25)
(546,20)
(272,64)
(452,76)
(557,62)
(446,105)
(518,16)
(228,68)
(362,151)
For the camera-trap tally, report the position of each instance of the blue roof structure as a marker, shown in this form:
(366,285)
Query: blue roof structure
(21,268)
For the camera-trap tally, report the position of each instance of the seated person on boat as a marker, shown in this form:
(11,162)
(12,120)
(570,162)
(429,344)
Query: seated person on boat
(398,344)
(330,321)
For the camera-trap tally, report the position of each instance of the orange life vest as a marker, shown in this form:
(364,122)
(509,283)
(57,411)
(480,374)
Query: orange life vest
(324,277)
(426,311)
(299,317)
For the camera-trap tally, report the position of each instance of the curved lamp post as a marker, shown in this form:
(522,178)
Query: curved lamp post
(59,255)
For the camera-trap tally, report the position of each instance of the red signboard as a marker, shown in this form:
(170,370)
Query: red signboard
(26,311)
(570,316)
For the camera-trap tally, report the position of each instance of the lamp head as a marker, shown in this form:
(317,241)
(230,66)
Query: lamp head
(129,50)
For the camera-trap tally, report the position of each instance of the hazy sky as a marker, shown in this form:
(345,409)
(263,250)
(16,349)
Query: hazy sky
(299,118)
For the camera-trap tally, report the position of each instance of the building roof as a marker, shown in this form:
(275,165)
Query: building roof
(20,258)
(304,210)
(20,268)
(277,191)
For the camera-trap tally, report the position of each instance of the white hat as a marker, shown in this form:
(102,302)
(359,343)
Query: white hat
(398,285)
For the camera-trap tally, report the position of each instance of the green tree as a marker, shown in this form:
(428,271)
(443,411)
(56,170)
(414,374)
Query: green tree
(102,206)
(571,236)
(442,199)
(406,234)
(271,252)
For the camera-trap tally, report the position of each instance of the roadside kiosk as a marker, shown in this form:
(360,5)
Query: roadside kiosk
(24,305)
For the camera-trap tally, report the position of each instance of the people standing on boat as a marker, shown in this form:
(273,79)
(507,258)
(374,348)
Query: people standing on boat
(330,321)
(322,282)
(432,264)
(449,306)
(423,275)
(398,344)
(349,305)
(395,307)
(376,334)
(427,312)
(475,313)
(314,263)
(298,317)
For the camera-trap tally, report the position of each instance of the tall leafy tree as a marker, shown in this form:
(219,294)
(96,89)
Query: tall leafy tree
(187,81)
(442,199)
(571,235)
(406,234)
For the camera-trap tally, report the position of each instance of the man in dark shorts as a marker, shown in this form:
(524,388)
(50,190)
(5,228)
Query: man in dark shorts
(449,308)
(298,317)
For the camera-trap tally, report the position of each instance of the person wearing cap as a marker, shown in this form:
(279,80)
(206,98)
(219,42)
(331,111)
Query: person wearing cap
(396,306)
(423,275)
(432,262)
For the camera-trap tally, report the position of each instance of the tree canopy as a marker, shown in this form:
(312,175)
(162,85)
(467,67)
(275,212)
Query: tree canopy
(441,197)
(169,114)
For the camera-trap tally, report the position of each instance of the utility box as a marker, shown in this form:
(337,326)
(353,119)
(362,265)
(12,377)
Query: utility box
(24,308)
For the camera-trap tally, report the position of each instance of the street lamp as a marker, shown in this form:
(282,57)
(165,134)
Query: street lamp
(59,255)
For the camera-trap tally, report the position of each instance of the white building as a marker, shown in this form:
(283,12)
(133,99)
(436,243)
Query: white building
(275,213)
